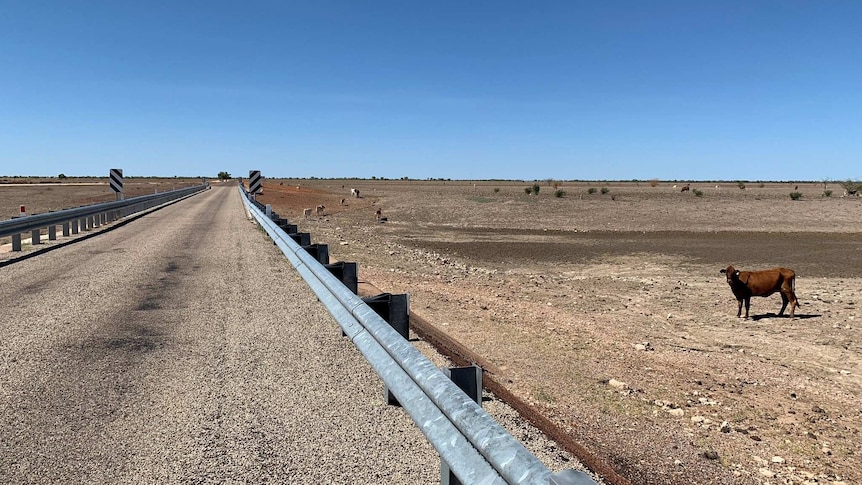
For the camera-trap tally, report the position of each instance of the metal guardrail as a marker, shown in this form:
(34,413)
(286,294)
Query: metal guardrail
(477,449)
(87,217)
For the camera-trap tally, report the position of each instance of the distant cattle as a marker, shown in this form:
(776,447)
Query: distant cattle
(306,213)
(342,201)
(354,193)
(320,209)
(746,284)
(685,188)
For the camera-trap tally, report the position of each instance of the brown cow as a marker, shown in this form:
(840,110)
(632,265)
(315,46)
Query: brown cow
(746,284)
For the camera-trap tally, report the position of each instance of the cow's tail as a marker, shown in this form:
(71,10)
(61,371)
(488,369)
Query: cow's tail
(793,287)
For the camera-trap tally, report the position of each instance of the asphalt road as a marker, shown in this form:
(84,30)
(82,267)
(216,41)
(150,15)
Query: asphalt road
(183,348)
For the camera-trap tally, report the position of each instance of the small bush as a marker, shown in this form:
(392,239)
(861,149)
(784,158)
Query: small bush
(741,185)
(605,190)
(698,193)
(559,193)
(827,193)
(536,188)
(761,185)
(795,195)
(591,190)
(61,176)
(653,182)
(528,190)
(496,189)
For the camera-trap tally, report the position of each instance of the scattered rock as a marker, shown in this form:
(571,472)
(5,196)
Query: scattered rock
(777,459)
(676,412)
(617,384)
(766,472)
(711,455)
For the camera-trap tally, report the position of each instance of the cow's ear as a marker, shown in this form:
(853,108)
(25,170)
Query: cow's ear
(723,271)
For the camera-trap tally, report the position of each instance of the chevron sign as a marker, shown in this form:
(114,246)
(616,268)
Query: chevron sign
(115,180)
(254,181)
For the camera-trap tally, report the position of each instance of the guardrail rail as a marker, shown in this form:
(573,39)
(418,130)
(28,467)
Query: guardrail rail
(476,448)
(85,218)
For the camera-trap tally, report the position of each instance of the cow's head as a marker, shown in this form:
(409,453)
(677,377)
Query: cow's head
(731,273)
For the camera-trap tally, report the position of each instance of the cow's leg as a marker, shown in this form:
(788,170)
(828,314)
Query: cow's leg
(739,309)
(747,304)
(784,301)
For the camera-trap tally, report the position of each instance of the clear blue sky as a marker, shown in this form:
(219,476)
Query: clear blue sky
(703,90)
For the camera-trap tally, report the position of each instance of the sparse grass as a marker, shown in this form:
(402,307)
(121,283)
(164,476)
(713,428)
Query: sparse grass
(796,195)
(827,193)
(698,193)
(481,200)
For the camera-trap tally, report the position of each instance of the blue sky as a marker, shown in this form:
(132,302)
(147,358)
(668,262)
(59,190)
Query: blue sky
(701,90)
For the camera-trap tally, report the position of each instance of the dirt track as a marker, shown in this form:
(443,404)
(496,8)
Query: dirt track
(608,313)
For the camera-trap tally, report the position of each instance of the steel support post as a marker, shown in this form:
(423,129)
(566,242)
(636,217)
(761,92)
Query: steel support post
(52,233)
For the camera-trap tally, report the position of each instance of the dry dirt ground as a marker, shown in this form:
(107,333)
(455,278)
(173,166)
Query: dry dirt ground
(607,312)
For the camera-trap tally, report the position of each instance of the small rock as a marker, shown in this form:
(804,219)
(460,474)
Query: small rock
(640,347)
(711,455)
(766,472)
(777,459)
(697,419)
(677,462)
(617,384)
(755,437)
(678,413)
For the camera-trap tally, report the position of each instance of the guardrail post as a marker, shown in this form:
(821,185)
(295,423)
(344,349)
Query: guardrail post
(347,273)
(320,252)
(301,238)
(16,242)
(52,233)
(469,380)
(35,237)
(75,224)
(395,309)
(286,226)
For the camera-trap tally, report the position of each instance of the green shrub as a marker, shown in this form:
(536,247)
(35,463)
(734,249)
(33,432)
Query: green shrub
(591,190)
(496,189)
(698,193)
(559,193)
(605,190)
(795,195)
(741,185)
(528,190)
(827,193)
(536,188)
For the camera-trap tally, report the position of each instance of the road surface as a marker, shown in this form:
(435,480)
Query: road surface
(183,347)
